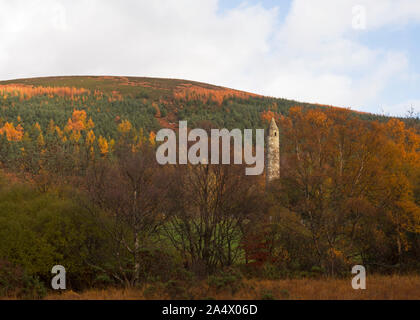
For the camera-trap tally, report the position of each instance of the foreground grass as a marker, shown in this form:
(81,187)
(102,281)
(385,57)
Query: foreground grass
(378,288)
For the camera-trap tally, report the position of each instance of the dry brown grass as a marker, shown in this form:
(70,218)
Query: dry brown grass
(378,288)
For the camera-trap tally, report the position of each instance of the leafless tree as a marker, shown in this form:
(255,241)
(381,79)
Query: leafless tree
(132,191)
(210,205)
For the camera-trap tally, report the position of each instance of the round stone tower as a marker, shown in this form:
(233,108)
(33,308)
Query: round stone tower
(273,152)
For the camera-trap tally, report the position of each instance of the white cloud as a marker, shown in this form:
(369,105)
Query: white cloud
(402,109)
(314,55)
(322,60)
(183,38)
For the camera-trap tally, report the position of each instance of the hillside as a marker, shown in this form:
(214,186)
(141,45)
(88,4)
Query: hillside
(80,186)
(148,103)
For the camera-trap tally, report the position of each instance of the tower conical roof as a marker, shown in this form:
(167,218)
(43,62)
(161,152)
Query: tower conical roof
(273,125)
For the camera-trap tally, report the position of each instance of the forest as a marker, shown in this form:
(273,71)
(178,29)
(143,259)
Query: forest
(80,187)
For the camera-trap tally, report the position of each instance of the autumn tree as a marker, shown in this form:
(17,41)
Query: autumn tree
(210,205)
(131,191)
(333,178)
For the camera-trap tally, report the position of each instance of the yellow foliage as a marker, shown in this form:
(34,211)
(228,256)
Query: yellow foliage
(12,133)
(125,127)
(111,145)
(51,127)
(90,124)
(90,139)
(75,136)
(58,131)
(103,145)
(40,140)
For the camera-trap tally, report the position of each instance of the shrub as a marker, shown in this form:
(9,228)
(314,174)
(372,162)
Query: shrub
(317,272)
(228,279)
(40,230)
(177,290)
(285,294)
(158,265)
(271,271)
(11,278)
(267,295)
(33,288)
(14,282)
(154,291)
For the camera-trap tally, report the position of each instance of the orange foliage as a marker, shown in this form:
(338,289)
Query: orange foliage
(115,96)
(98,95)
(152,138)
(191,92)
(77,122)
(27,92)
(267,115)
(37,127)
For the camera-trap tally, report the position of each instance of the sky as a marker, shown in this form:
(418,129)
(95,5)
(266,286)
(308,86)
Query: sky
(358,54)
